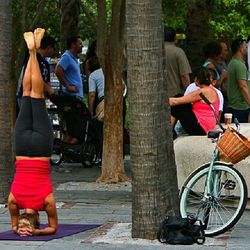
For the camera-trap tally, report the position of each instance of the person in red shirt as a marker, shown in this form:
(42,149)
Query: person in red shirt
(31,189)
(195,116)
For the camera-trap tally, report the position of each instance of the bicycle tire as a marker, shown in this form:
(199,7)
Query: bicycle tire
(56,158)
(193,202)
(88,154)
(57,152)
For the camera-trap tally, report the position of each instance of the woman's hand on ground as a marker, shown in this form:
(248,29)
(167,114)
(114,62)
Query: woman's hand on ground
(25,231)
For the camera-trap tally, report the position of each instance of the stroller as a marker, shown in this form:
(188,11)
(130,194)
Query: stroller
(88,150)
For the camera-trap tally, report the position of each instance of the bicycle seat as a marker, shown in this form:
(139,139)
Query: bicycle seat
(214,133)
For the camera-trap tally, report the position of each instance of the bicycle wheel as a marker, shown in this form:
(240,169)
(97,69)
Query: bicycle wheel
(88,154)
(221,209)
(56,158)
(57,154)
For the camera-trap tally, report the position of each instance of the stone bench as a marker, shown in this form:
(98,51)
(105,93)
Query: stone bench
(194,151)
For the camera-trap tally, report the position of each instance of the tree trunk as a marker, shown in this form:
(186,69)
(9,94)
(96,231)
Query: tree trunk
(70,14)
(102,32)
(154,180)
(112,159)
(197,31)
(6,128)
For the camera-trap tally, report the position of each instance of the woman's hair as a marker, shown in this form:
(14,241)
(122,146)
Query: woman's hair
(212,73)
(93,63)
(212,49)
(203,75)
(91,50)
(28,220)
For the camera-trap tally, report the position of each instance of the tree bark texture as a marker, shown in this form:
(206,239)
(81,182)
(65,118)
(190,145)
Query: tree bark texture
(102,32)
(112,160)
(154,180)
(6,128)
(70,14)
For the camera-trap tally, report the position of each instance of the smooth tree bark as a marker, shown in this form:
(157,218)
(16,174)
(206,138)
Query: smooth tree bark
(112,60)
(154,179)
(102,32)
(6,128)
(70,14)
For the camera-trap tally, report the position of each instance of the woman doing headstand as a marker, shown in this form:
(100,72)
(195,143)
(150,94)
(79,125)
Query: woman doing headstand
(31,189)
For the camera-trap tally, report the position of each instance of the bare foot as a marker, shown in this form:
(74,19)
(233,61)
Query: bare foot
(29,39)
(38,35)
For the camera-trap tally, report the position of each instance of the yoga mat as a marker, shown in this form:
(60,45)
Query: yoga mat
(62,231)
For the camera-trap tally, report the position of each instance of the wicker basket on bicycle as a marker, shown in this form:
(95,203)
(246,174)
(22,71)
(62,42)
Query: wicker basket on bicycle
(233,146)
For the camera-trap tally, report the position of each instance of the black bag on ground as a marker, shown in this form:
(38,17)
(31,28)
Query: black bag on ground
(182,231)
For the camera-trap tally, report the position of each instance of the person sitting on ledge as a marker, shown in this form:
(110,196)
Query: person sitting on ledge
(31,188)
(195,116)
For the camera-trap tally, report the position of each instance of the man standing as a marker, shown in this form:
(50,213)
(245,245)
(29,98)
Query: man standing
(47,49)
(238,87)
(68,70)
(68,73)
(177,65)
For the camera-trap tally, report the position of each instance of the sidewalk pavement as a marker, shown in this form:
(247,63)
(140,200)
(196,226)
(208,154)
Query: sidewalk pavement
(81,200)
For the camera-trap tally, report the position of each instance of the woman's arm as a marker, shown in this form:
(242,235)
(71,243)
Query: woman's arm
(91,102)
(50,208)
(190,98)
(14,211)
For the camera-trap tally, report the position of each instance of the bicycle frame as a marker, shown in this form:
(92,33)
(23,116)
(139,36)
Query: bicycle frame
(215,192)
(211,180)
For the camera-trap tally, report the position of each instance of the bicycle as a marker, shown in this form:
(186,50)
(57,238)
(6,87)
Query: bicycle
(216,192)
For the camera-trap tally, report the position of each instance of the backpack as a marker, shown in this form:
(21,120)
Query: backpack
(182,231)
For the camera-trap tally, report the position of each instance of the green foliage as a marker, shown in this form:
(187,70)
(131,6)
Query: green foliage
(49,18)
(229,19)
(88,20)
(175,13)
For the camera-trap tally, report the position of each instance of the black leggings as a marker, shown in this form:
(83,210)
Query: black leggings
(184,113)
(33,131)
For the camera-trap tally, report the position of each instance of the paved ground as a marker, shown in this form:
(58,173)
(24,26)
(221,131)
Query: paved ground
(81,200)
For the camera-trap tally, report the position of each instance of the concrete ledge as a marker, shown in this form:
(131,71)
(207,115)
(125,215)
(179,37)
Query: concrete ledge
(194,151)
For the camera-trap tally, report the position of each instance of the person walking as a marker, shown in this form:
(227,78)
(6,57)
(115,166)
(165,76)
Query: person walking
(68,73)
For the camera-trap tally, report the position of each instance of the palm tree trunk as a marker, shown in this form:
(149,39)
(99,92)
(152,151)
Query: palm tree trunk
(154,181)
(6,128)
